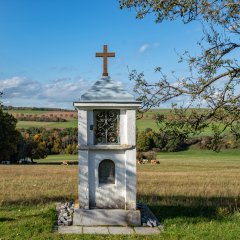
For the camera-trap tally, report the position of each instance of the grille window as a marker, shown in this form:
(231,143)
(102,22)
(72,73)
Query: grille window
(106,126)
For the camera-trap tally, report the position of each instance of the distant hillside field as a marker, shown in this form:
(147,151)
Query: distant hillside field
(147,121)
(71,117)
(28,124)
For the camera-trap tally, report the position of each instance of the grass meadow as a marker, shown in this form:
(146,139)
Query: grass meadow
(195,194)
(147,121)
(141,124)
(28,124)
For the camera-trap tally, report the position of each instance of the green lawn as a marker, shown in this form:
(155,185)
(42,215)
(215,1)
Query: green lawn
(201,155)
(142,124)
(191,155)
(59,158)
(37,222)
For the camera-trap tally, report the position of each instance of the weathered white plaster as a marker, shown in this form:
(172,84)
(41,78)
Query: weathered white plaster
(82,127)
(131,127)
(89,130)
(83,184)
(106,217)
(123,127)
(130,193)
(106,147)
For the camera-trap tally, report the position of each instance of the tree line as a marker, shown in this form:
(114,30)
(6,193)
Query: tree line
(4,107)
(33,143)
(37,143)
(179,130)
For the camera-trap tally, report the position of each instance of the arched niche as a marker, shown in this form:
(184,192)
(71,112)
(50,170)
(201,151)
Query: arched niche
(106,172)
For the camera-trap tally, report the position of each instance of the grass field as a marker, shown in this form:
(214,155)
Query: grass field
(141,124)
(146,122)
(27,124)
(195,194)
(58,158)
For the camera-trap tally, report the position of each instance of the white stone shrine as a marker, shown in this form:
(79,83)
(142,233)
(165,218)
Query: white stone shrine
(107,154)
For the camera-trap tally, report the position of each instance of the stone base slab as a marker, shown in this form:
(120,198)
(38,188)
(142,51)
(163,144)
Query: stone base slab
(106,217)
(109,230)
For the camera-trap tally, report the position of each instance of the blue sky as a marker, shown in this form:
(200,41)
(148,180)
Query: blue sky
(47,48)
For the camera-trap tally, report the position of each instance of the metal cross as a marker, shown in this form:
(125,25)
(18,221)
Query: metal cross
(105,54)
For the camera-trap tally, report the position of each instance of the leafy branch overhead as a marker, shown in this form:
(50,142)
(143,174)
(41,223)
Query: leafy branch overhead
(213,79)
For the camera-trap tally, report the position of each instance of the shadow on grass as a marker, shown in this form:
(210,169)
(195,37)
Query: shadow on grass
(3,219)
(57,163)
(44,163)
(165,207)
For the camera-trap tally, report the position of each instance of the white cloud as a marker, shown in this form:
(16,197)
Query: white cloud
(144,47)
(147,46)
(10,82)
(20,91)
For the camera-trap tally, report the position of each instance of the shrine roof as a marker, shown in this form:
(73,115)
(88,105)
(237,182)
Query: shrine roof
(107,89)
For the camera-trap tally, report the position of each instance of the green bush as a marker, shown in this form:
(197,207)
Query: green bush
(146,140)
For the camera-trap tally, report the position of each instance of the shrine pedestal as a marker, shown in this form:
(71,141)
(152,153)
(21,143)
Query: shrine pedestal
(106,217)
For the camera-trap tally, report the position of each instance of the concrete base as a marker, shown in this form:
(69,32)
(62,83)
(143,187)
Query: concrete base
(109,230)
(106,217)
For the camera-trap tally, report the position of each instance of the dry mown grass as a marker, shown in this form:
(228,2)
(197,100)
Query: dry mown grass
(198,180)
(184,183)
(37,183)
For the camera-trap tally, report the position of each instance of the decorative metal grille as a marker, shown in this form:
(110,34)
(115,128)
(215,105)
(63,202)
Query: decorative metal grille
(106,126)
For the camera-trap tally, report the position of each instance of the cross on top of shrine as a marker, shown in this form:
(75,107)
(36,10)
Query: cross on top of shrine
(105,54)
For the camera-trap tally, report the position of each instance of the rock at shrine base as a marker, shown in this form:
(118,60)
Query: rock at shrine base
(104,217)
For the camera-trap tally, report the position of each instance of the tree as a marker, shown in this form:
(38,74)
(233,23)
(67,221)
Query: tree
(146,140)
(9,136)
(214,75)
(35,148)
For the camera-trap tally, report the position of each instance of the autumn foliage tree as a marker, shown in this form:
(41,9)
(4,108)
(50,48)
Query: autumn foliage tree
(35,148)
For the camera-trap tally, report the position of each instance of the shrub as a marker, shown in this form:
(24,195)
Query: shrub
(139,156)
(151,155)
(211,143)
(146,140)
